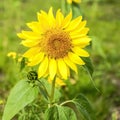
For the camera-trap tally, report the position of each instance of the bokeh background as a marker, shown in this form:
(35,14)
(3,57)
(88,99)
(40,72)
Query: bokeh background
(103,19)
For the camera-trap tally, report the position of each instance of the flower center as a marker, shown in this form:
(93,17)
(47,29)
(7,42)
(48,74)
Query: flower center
(56,43)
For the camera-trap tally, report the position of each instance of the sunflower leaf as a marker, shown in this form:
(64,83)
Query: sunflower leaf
(88,65)
(21,95)
(83,107)
(60,113)
(76,10)
(43,89)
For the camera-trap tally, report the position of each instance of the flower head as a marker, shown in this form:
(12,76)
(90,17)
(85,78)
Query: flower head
(16,56)
(76,1)
(12,54)
(55,44)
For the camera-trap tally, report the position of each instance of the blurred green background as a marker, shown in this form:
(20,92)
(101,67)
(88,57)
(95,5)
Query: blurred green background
(103,19)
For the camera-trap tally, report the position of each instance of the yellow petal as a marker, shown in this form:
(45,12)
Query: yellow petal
(35,26)
(31,52)
(43,13)
(81,26)
(80,52)
(31,35)
(69,1)
(46,74)
(81,41)
(74,23)
(51,17)
(59,18)
(82,33)
(43,67)
(59,82)
(75,58)
(62,68)
(37,59)
(67,20)
(30,43)
(77,1)
(20,35)
(52,68)
(70,64)
(50,13)
(43,21)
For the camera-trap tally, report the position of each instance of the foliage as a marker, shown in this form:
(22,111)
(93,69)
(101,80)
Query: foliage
(60,113)
(103,20)
(22,94)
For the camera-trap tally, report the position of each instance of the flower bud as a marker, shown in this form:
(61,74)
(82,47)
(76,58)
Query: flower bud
(32,75)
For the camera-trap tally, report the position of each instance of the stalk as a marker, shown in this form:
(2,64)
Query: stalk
(52,92)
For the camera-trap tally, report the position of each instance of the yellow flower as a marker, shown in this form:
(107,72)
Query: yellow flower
(20,59)
(76,1)
(16,56)
(55,43)
(12,54)
(1,102)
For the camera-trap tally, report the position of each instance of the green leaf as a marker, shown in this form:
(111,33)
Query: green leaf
(84,107)
(43,89)
(67,113)
(88,66)
(77,11)
(52,113)
(21,95)
(60,113)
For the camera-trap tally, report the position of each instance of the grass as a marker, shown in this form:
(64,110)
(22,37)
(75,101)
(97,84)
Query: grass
(103,20)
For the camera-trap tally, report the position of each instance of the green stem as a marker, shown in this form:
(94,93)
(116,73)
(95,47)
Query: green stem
(52,91)
(69,101)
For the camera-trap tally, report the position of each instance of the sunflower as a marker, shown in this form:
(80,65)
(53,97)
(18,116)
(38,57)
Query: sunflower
(55,43)
(76,1)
